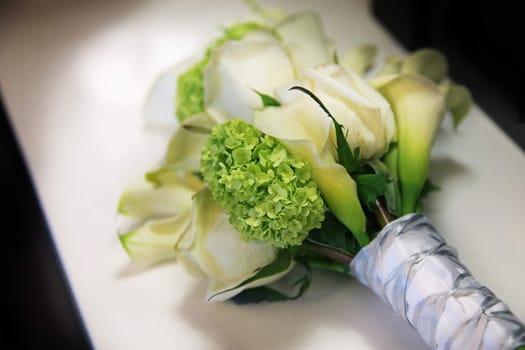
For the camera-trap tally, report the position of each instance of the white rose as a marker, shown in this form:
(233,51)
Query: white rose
(237,68)
(366,115)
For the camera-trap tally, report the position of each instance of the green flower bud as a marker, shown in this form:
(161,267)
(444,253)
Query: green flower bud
(268,192)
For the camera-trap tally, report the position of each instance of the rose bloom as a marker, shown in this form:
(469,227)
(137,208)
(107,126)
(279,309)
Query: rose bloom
(365,115)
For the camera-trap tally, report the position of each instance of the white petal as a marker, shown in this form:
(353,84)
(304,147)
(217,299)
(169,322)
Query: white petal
(142,199)
(304,37)
(155,240)
(218,247)
(301,120)
(219,291)
(185,147)
(237,68)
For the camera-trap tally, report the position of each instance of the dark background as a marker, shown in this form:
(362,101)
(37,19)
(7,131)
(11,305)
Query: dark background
(481,40)
(37,304)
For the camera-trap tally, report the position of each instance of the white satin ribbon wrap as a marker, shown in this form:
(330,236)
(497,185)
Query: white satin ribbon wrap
(413,270)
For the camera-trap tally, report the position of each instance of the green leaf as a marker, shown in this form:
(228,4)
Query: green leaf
(347,158)
(322,263)
(267,100)
(259,294)
(263,293)
(387,167)
(371,186)
(428,188)
(335,234)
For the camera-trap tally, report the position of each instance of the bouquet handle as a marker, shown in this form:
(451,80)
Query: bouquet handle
(413,270)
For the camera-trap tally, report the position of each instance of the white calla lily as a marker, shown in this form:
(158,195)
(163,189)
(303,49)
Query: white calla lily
(359,59)
(419,107)
(165,215)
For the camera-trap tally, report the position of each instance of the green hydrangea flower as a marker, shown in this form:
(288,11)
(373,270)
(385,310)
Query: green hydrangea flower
(268,192)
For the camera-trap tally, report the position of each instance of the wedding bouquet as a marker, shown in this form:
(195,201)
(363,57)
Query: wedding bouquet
(290,157)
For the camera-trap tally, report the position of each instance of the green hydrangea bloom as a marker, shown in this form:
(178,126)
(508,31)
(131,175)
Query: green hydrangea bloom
(268,192)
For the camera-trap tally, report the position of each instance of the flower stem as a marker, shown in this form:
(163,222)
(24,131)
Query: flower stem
(383,216)
(327,251)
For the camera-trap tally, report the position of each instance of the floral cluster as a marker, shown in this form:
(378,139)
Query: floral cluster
(268,192)
(287,154)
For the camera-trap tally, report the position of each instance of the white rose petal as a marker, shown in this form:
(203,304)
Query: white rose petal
(304,37)
(217,247)
(367,117)
(257,62)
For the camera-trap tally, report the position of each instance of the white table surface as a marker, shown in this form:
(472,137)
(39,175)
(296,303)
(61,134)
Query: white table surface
(74,75)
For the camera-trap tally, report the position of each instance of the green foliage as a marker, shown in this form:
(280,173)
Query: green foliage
(239,30)
(334,234)
(347,158)
(190,92)
(321,263)
(268,192)
(370,187)
(267,100)
(428,187)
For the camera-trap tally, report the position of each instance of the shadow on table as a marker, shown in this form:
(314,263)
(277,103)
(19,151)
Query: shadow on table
(336,312)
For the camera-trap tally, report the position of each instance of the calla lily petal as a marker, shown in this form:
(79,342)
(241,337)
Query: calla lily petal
(419,108)
(143,200)
(458,99)
(165,210)
(305,133)
(359,59)
(391,66)
(426,62)
(337,186)
(155,240)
